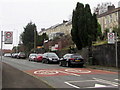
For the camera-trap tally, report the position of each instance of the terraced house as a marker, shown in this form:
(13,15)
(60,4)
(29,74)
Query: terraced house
(61,32)
(53,31)
(110,18)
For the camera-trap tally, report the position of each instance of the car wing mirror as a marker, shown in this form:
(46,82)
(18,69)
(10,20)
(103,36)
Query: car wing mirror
(61,58)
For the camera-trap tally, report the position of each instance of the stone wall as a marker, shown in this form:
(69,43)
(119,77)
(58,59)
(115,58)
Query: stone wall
(105,55)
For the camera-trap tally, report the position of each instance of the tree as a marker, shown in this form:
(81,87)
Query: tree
(99,34)
(117,29)
(76,23)
(41,38)
(104,36)
(28,36)
(89,29)
(84,26)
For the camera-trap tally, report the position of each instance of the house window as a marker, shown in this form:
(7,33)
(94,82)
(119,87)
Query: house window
(110,18)
(116,16)
(106,20)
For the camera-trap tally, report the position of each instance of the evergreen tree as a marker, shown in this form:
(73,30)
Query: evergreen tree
(77,23)
(28,36)
(84,26)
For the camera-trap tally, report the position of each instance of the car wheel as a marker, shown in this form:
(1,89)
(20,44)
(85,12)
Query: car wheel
(43,61)
(47,61)
(67,64)
(60,63)
(81,65)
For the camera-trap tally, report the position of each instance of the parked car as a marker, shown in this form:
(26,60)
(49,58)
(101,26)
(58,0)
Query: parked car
(71,59)
(50,57)
(14,55)
(39,57)
(32,57)
(21,55)
(7,55)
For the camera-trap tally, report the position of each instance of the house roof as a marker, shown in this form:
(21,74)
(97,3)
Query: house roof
(109,12)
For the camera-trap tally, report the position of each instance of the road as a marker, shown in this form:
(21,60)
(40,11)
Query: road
(66,77)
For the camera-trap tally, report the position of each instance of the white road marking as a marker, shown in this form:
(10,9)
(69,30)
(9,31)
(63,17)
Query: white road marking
(46,72)
(71,85)
(52,72)
(70,73)
(82,81)
(107,82)
(77,71)
(117,80)
(99,85)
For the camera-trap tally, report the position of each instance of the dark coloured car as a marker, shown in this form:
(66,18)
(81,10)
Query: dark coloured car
(21,55)
(50,58)
(71,59)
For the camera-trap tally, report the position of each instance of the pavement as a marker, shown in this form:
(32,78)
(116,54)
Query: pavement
(13,79)
(113,69)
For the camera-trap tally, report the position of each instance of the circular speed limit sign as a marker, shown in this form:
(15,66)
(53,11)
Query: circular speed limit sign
(111,35)
(111,38)
(8,34)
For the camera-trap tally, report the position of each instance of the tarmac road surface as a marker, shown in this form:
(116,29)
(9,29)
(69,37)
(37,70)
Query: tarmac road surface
(67,78)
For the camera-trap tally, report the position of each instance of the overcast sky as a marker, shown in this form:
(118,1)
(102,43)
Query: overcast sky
(16,14)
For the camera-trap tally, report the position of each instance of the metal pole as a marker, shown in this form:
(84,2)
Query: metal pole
(1,58)
(34,40)
(1,44)
(116,49)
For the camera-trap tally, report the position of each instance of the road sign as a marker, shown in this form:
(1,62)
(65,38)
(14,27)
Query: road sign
(8,35)
(111,38)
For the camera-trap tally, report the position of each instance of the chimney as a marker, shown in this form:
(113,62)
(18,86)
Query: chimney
(111,8)
(64,21)
(42,29)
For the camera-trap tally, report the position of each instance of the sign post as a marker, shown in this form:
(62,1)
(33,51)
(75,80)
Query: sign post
(112,39)
(1,44)
(116,49)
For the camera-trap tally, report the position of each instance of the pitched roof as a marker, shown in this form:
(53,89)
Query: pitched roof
(109,12)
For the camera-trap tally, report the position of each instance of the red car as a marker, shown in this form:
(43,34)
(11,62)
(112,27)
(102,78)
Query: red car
(39,57)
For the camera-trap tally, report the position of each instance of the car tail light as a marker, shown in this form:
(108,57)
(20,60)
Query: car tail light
(39,57)
(71,58)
